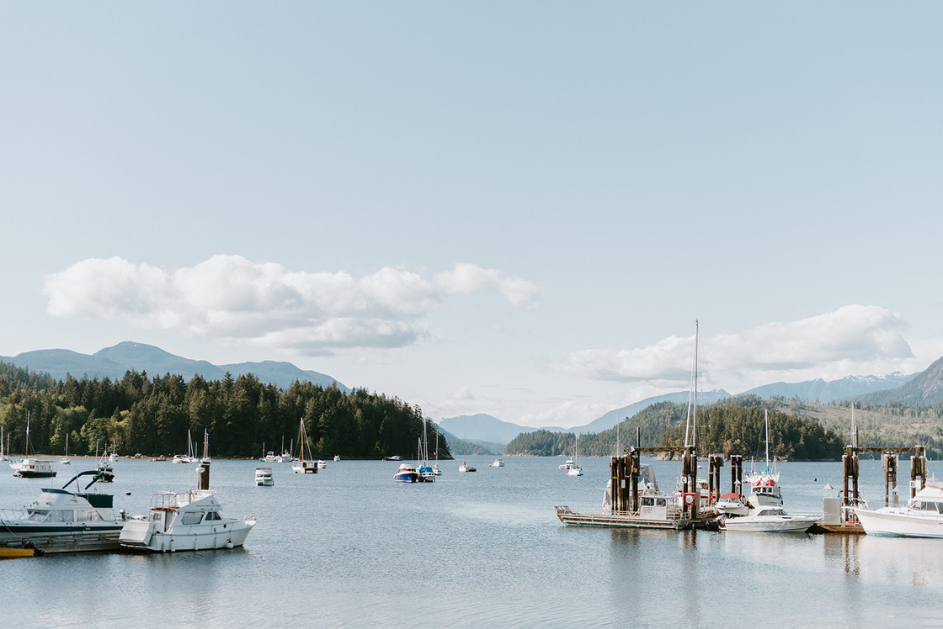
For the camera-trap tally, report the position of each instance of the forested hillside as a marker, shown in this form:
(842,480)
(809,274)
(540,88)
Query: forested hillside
(730,427)
(139,414)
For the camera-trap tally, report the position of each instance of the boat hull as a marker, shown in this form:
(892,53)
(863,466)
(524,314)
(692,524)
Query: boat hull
(900,524)
(791,524)
(141,535)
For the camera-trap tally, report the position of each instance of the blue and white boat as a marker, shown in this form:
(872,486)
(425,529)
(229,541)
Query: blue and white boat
(407,473)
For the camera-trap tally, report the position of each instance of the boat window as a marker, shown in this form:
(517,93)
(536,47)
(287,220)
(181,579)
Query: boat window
(212,515)
(646,502)
(192,517)
(661,502)
(60,515)
(38,515)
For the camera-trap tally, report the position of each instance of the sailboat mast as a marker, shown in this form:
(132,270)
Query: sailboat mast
(26,452)
(766,417)
(694,440)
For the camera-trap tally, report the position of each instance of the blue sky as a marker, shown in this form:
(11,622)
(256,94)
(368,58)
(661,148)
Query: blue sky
(510,208)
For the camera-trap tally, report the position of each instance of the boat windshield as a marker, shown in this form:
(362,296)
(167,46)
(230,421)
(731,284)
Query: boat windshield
(923,505)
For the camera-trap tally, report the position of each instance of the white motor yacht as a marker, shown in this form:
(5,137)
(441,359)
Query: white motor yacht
(263,477)
(770,520)
(497,463)
(60,521)
(189,520)
(569,465)
(921,517)
(184,521)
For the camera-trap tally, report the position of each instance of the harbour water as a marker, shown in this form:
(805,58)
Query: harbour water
(349,547)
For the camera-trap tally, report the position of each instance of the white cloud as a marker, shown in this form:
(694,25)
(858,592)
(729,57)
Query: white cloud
(231,298)
(852,340)
(468,278)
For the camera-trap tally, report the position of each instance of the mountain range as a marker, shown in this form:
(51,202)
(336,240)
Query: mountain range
(114,362)
(485,431)
(925,388)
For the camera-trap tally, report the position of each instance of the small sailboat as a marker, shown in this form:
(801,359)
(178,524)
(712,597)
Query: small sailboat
(576,470)
(304,465)
(64,460)
(190,456)
(425,471)
(435,468)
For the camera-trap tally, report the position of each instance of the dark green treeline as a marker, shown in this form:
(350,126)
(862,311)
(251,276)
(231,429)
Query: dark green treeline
(151,416)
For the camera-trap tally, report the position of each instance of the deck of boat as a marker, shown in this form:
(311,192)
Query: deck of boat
(618,520)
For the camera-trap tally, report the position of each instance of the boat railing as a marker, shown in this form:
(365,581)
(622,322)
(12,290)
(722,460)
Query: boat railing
(12,515)
(174,500)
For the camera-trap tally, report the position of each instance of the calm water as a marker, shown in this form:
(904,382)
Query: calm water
(349,546)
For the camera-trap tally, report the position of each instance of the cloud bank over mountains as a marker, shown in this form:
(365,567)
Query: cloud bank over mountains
(230,298)
(851,340)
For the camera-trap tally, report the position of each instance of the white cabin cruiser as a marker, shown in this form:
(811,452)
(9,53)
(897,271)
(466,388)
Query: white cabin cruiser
(60,521)
(922,517)
(189,520)
(770,520)
(497,463)
(569,465)
(263,477)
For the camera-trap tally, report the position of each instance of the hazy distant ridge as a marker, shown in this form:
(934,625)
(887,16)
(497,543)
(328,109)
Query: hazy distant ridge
(114,362)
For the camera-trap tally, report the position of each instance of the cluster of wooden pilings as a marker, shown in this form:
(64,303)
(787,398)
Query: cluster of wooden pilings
(890,462)
(626,469)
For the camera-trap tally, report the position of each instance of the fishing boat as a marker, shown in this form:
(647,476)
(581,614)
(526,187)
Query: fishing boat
(304,464)
(61,521)
(769,520)
(190,520)
(263,477)
(921,517)
(655,510)
(764,485)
